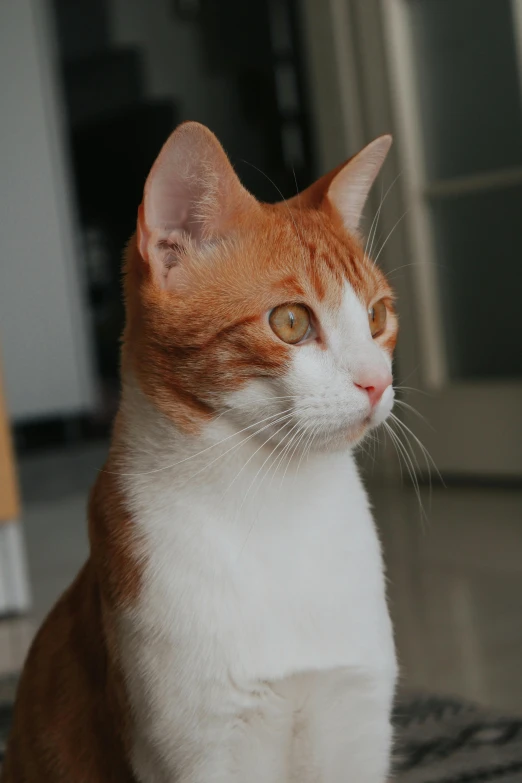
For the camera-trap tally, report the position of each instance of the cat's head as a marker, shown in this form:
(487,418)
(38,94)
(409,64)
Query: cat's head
(269,315)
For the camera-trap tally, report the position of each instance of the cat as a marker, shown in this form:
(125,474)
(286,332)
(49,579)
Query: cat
(231,621)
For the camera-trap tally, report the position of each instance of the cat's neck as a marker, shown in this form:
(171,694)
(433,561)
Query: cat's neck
(184,489)
(150,447)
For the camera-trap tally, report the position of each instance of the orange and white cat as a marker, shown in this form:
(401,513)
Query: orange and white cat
(230,625)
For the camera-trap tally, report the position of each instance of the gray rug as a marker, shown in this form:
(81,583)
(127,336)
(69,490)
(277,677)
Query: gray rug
(441,740)
(438,740)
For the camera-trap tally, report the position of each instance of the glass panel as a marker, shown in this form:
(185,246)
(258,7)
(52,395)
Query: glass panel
(468,89)
(478,241)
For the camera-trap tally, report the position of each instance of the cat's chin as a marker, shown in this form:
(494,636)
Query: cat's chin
(342,439)
(350,436)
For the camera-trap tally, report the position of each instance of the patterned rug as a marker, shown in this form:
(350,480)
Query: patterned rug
(439,740)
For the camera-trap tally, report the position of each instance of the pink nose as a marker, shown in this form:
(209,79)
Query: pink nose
(375,386)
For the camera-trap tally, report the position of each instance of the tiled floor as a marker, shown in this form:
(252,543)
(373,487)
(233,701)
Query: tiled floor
(455,581)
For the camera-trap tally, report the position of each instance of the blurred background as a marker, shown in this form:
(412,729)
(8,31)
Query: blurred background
(90,89)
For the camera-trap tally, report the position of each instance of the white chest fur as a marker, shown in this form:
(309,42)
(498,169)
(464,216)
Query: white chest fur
(248,583)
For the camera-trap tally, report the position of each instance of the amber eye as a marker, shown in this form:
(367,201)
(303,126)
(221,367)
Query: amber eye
(377,318)
(290,322)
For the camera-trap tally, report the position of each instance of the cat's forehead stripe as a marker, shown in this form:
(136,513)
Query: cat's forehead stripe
(324,259)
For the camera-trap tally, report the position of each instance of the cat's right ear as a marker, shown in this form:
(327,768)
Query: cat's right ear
(346,188)
(192,195)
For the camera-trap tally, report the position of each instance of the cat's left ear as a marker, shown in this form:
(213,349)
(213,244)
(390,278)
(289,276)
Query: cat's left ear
(192,196)
(347,187)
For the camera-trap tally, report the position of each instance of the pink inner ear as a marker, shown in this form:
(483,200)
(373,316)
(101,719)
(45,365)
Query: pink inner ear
(172,204)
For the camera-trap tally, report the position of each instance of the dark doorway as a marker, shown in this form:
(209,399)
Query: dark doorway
(132,70)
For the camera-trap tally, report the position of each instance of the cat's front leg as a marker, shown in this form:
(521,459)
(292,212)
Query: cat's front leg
(343,732)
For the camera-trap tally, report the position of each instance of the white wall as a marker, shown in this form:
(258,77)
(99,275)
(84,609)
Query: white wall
(43,333)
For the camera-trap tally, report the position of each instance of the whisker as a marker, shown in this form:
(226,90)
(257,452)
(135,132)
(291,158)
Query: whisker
(245,497)
(285,450)
(398,423)
(283,417)
(383,199)
(281,445)
(414,411)
(389,236)
(297,445)
(203,451)
(369,240)
(256,451)
(263,464)
(304,449)
(427,456)
(250,487)
(387,431)
(298,435)
(316,431)
(407,443)
(408,464)
(267,471)
(415,263)
(411,469)
(412,390)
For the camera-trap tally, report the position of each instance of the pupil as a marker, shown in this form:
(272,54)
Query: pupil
(292,319)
